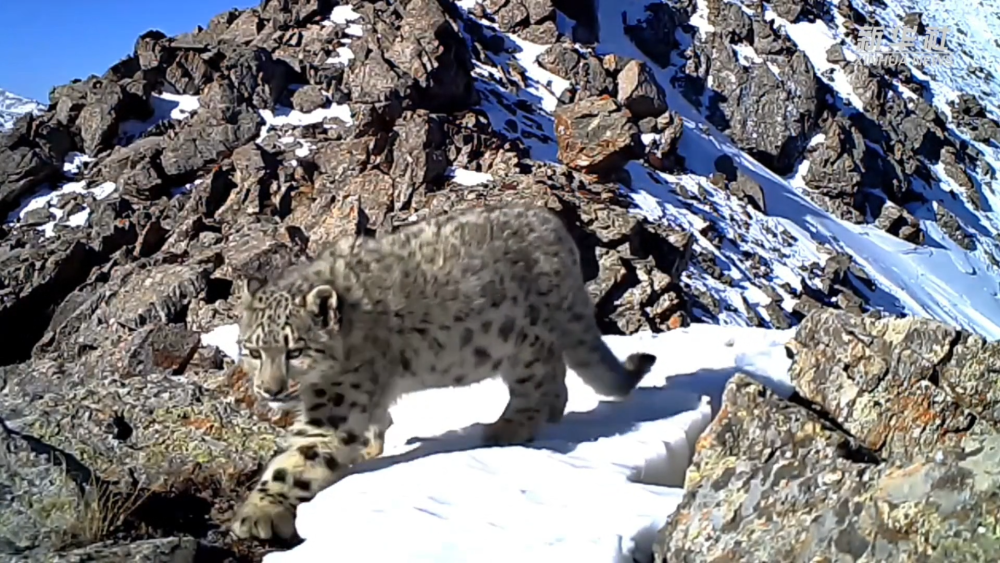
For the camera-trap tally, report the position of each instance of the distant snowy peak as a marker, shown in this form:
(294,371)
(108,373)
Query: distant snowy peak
(13,106)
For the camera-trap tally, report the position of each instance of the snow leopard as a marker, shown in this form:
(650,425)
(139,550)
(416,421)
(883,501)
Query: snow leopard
(441,302)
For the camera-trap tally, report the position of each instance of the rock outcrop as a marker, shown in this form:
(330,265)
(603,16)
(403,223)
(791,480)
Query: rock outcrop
(887,452)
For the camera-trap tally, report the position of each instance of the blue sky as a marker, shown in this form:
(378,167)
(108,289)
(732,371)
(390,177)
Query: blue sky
(45,43)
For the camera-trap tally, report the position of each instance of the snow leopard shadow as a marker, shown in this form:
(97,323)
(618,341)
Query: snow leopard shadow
(681,394)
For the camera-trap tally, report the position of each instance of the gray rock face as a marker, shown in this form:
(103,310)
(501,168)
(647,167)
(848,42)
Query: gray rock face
(777,125)
(639,91)
(889,452)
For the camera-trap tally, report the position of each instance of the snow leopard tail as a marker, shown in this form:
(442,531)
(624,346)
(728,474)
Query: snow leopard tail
(586,353)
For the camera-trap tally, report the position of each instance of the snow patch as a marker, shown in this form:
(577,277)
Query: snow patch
(344,57)
(468,177)
(74,162)
(225,338)
(46,198)
(165,106)
(343,14)
(286,116)
(543,84)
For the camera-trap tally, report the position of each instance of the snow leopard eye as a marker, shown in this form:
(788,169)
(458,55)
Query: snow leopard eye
(254,353)
(293,353)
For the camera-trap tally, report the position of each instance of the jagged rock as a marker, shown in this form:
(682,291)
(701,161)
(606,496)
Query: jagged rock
(835,55)
(794,11)
(735,25)
(166,550)
(308,98)
(288,13)
(136,169)
(747,190)
(585,72)
(956,171)
(419,55)
(887,410)
(421,138)
(835,170)
(868,84)
(517,15)
(22,171)
(596,135)
(900,223)
(205,141)
(661,151)
(790,105)
(639,91)
(108,105)
(971,115)
(916,21)
(952,226)
(560,59)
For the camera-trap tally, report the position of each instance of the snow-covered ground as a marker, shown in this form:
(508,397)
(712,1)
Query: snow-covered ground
(594,488)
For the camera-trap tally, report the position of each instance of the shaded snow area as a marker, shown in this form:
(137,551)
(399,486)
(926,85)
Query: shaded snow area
(594,488)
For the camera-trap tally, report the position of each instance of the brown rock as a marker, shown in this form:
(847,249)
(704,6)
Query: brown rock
(595,135)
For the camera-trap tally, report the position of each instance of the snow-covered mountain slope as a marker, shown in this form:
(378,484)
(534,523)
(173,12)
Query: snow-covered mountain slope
(756,264)
(13,106)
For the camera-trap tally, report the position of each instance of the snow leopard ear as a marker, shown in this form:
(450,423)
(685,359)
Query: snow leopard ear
(251,285)
(322,303)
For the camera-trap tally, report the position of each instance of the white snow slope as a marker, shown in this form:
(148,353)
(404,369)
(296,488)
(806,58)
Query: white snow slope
(13,106)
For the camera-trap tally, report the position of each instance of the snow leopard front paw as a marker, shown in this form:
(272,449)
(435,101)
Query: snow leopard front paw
(264,516)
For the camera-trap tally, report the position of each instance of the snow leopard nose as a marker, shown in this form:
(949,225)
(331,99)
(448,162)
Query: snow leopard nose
(270,389)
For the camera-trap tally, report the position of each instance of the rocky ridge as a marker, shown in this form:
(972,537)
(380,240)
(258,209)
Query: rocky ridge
(238,148)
